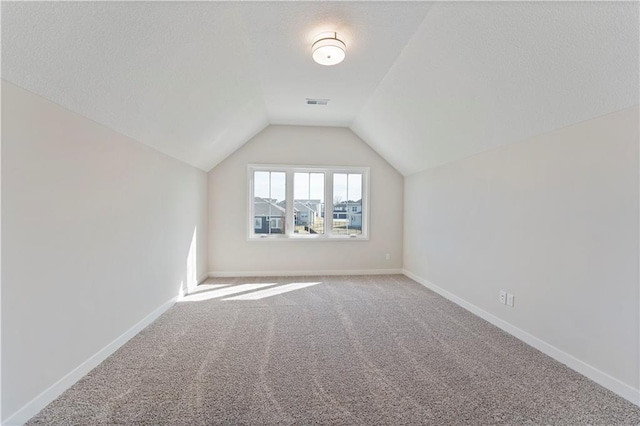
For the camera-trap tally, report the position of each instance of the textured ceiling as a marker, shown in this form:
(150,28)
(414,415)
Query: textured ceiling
(175,76)
(281,35)
(423,83)
(480,75)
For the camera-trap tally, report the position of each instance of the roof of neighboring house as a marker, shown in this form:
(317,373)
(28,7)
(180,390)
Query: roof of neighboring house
(348,203)
(298,205)
(282,204)
(310,201)
(263,207)
(301,205)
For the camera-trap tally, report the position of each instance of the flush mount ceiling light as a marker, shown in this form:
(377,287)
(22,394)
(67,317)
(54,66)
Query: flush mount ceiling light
(328,49)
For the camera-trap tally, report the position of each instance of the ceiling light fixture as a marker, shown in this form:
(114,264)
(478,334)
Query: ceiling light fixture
(328,49)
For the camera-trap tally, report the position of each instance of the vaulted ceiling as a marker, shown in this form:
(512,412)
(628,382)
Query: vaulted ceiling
(423,83)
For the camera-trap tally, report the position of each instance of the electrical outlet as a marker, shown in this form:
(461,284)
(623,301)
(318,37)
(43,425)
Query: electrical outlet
(510,299)
(387,256)
(503,297)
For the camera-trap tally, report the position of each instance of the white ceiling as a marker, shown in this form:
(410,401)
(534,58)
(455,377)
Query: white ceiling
(423,83)
(483,74)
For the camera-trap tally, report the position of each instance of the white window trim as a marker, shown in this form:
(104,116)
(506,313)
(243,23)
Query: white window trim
(288,235)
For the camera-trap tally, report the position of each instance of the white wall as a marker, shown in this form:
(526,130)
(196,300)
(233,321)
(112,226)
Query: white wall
(553,220)
(96,234)
(231,253)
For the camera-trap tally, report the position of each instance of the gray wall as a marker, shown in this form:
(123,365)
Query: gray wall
(231,253)
(96,232)
(552,220)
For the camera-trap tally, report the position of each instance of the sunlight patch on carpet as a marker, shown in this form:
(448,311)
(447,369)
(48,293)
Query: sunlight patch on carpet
(214,294)
(256,295)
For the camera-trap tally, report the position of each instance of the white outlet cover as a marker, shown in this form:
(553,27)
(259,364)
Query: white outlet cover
(510,299)
(503,297)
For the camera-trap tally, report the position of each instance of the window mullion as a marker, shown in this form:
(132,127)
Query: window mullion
(365,204)
(289,218)
(270,197)
(251,208)
(328,203)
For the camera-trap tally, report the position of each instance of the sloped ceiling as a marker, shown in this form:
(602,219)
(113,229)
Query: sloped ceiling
(479,75)
(175,76)
(423,83)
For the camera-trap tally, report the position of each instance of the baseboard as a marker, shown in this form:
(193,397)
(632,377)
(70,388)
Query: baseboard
(225,274)
(45,398)
(603,379)
(202,278)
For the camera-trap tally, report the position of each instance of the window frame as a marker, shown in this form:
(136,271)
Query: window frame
(290,170)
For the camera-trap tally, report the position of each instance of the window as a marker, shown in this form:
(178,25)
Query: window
(308,195)
(292,202)
(347,196)
(269,202)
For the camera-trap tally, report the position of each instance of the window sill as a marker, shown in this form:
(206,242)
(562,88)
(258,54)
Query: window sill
(334,238)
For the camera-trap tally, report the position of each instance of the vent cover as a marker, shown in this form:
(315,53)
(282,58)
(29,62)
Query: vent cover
(311,101)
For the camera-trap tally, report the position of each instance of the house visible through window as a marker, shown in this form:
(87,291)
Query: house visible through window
(269,202)
(308,196)
(292,202)
(347,197)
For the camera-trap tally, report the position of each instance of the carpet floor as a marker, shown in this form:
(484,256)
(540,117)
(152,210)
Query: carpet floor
(365,350)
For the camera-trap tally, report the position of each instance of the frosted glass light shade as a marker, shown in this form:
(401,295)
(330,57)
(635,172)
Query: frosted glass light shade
(329,50)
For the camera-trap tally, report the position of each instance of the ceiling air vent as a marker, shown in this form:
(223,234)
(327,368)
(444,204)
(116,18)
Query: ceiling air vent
(311,101)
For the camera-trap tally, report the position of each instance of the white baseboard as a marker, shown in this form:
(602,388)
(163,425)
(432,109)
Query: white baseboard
(45,398)
(627,392)
(202,278)
(226,274)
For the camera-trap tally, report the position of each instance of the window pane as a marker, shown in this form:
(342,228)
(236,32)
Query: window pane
(347,204)
(269,202)
(308,203)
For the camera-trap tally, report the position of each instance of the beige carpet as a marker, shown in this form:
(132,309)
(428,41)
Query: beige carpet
(348,350)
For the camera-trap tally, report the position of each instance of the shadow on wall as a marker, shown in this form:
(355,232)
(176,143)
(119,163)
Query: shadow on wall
(254,291)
